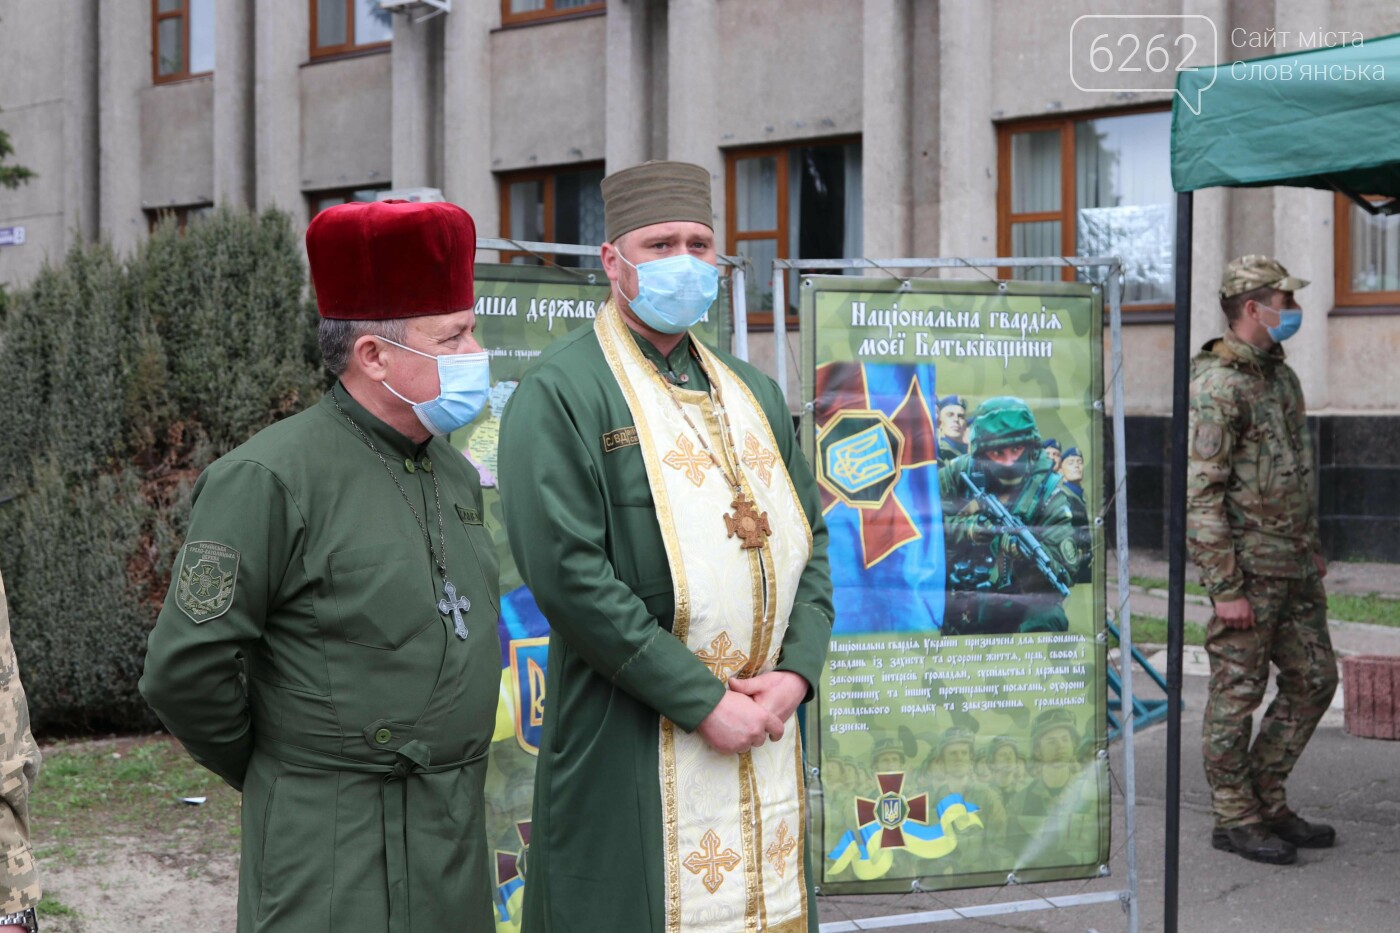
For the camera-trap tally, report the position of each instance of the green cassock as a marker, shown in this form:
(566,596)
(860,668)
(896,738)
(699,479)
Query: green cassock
(583,529)
(301,656)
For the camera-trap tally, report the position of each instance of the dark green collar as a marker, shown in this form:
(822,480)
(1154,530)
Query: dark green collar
(391,443)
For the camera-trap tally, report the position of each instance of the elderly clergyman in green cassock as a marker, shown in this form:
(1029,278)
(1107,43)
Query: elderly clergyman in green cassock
(328,645)
(669,527)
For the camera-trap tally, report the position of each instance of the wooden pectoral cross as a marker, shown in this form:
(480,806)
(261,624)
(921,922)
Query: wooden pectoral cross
(747,524)
(455,607)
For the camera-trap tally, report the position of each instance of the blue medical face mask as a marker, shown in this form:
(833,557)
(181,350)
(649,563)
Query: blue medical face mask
(1289,320)
(464,384)
(674,293)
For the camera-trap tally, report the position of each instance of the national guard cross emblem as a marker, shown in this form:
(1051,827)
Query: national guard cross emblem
(205,580)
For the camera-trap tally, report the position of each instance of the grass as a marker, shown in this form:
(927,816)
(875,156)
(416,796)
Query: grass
(1151,583)
(1150,630)
(1371,608)
(130,787)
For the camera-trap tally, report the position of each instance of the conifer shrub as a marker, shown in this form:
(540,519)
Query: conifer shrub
(123,379)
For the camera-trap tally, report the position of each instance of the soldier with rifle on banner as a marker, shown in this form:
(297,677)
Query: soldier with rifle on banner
(1009,534)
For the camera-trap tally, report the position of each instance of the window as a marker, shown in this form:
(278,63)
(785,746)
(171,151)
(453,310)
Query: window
(791,202)
(554,206)
(340,26)
(1367,256)
(528,11)
(320,200)
(1091,186)
(185,215)
(182,39)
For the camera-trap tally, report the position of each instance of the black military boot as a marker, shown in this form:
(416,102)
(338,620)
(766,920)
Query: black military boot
(1255,843)
(1293,828)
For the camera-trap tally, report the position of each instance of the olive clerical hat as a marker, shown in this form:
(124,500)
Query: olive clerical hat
(655,193)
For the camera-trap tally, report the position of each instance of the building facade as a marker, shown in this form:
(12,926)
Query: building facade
(832,128)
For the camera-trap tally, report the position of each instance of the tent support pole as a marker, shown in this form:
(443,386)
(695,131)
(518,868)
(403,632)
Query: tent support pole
(1176,584)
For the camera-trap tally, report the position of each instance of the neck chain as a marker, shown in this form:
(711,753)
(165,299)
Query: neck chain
(747,524)
(451,604)
(716,395)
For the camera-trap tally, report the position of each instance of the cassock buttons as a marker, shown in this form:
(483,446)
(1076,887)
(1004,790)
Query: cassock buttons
(382,736)
(408,464)
(427,465)
(685,377)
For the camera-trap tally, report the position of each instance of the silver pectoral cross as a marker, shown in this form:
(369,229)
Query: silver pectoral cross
(455,607)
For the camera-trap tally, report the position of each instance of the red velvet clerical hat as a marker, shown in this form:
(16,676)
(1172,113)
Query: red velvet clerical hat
(391,259)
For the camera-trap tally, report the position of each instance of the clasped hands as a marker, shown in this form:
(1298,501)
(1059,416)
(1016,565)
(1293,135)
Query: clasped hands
(752,711)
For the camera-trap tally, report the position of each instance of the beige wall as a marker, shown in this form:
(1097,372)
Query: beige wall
(1363,351)
(784,74)
(177,143)
(547,94)
(345,119)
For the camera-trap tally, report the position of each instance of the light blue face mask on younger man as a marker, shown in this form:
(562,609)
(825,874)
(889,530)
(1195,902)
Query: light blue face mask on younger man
(674,293)
(1289,320)
(464,384)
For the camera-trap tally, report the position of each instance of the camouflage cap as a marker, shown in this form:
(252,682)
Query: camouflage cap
(955,735)
(1255,271)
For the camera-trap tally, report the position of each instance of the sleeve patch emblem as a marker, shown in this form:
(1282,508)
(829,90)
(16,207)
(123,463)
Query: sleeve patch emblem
(620,438)
(1210,436)
(205,580)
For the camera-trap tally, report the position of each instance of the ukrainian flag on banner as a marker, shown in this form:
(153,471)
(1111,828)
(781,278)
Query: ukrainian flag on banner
(869,850)
(876,456)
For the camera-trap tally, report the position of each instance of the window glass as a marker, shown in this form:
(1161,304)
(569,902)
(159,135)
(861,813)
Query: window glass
(372,24)
(1375,252)
(201,36)
(578,214)
(1124,200)
(527,210)
(331,27)
(168,6)
(1120,200)
(526,6)
(169,43)
(758,283)
(1038,238)
(756,193)
(1035,172)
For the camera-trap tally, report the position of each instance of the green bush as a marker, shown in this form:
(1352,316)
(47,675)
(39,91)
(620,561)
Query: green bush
(124,379)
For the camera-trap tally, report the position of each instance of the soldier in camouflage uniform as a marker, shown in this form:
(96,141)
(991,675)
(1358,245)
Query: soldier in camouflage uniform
(994,587)
(1252,531)
(19,885)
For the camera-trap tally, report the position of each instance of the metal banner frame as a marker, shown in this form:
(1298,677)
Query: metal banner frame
(1113,278)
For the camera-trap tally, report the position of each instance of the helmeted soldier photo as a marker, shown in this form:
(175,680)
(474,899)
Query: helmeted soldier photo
(1009,537)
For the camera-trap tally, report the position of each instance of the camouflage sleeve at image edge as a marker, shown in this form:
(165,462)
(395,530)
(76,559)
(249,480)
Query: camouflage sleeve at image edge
(19,878)
(1213,432)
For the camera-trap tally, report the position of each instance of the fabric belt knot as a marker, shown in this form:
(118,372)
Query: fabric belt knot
(410,758)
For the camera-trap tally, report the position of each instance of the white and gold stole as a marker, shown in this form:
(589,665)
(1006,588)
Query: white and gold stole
(734,826)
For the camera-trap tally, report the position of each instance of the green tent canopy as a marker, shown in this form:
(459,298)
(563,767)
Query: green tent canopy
(1328,118)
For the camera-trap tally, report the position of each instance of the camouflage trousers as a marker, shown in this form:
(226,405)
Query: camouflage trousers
(1290,629)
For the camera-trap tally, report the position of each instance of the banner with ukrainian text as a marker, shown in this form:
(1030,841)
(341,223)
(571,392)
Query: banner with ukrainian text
(956,430)
(520,312)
